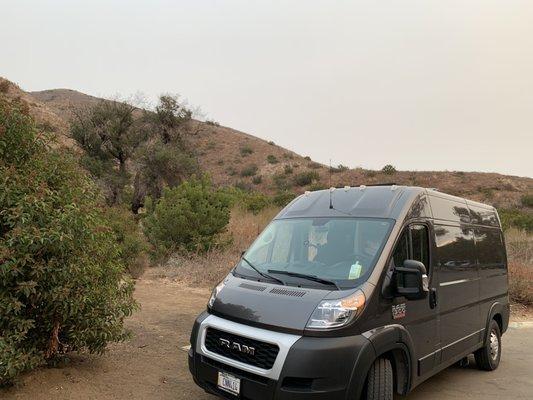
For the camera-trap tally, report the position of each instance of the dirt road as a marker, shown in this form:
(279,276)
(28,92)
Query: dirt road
(152,365)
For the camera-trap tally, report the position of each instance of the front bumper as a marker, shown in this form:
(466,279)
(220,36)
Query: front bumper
(313,369)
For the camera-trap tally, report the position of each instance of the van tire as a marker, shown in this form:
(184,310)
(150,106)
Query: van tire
(488,357)
(380,381)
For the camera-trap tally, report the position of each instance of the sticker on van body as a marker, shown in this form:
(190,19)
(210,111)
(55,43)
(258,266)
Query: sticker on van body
(398,311)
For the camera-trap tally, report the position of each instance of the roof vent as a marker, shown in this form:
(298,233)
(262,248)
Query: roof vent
(287,292)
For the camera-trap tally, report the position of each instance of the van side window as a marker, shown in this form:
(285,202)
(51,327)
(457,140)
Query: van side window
(413,245)
(420,243)
(401,253)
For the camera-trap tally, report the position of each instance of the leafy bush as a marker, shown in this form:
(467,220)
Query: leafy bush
(281,199)
(527,200)
(62,282)
(255,202)
(131,242)
(249,170)
(246,150)
(160,165)
(212,123)
(339,168)
(280,182)
(271,143)
(517,219)
(287,169)
(243,186)
(272,159)
(388,169)
(256,180)
(306,178)
(189,217)
(307,158)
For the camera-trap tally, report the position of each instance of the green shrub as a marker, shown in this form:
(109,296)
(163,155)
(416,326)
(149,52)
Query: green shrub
(517,219)
(281,199)
(280,182)
(255,202)
(243,186)
(131,242)
(369,173)
(212,123)
(307,158)
(249,170)
(256,180)
(339,168)
(287,169)
(246,150)
(306,178)
(272,159)
(62,281)
(271,143)
(527,200)
(189,217)
(388,169)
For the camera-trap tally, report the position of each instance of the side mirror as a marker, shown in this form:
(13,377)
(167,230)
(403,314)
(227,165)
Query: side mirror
(412,280)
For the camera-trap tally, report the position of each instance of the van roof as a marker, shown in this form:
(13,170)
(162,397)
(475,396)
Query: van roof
(390,201)
(360,201)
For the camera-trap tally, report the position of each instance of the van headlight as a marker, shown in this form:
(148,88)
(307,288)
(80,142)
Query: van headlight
(337,313)
(215,293)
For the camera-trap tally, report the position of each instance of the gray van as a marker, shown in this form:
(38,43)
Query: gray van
(357,292)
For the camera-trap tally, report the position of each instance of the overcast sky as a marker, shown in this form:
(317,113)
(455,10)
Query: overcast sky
(422,85)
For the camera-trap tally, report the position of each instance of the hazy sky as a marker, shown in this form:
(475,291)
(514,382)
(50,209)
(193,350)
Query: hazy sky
(422,85)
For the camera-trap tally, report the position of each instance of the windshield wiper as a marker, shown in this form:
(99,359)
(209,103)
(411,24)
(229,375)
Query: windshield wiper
(272,278)
(305,276)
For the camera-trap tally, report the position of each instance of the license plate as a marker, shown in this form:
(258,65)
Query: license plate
(229,383)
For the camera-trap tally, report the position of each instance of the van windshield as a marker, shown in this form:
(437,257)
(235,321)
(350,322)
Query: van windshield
(341,250)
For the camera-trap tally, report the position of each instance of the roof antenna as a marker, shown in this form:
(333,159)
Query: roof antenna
(330,188)
(330,172)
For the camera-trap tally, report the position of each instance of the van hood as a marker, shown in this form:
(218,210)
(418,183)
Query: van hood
(278,307)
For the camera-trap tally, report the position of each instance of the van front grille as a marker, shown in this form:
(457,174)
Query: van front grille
(239,348)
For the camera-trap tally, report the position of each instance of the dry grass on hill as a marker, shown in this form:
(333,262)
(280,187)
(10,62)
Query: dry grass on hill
(520,253)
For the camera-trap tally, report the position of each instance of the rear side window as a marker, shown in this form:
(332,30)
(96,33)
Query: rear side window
(489,247)
(455,246)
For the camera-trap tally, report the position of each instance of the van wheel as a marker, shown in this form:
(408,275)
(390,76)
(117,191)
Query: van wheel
(488,357)
(380,382)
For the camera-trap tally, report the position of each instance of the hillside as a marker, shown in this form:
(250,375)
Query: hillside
(236,158)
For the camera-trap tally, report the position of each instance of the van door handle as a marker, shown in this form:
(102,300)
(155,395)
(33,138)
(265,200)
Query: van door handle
(433,298)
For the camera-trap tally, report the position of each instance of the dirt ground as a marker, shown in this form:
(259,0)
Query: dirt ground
(153,366)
